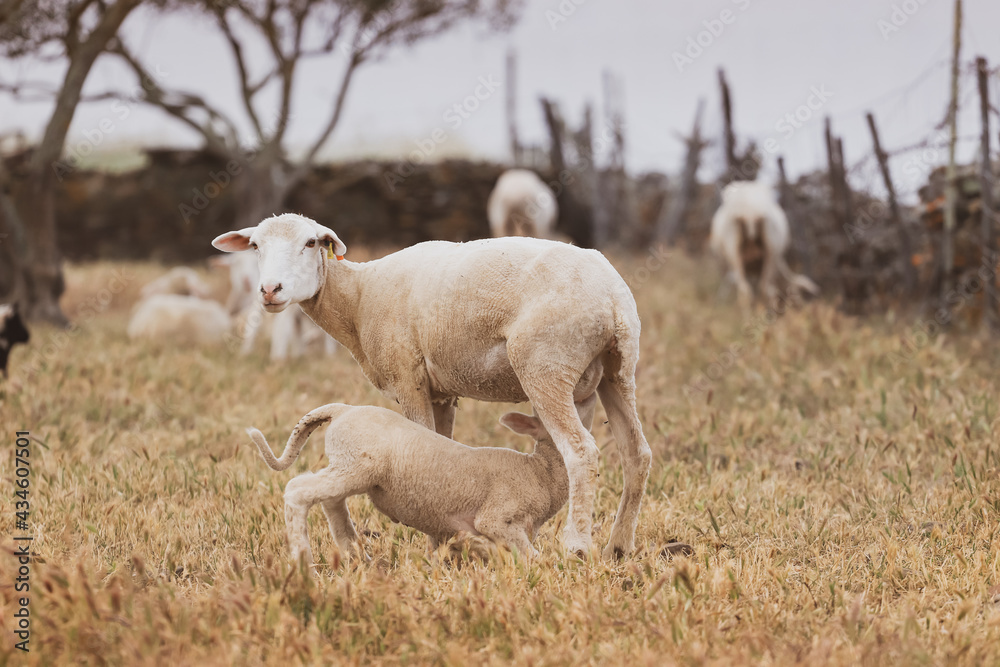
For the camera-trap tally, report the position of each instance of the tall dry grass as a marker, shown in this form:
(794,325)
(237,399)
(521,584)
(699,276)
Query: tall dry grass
(838,481)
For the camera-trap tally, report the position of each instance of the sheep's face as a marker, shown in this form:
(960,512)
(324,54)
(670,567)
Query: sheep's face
(291,257)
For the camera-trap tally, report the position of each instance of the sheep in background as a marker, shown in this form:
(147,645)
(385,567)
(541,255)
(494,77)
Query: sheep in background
(508,319)
(422,479)
(179,280)
(12,332)
(750,229)
(179,319)
(521,204)
(291,331)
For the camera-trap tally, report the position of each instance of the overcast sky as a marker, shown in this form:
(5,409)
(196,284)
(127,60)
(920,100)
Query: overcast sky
(850,56)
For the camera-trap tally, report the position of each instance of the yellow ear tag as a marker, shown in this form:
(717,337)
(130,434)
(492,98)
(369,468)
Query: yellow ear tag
(329,252)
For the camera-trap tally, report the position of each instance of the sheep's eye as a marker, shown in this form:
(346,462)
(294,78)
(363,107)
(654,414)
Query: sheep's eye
(253,245)
(311,243)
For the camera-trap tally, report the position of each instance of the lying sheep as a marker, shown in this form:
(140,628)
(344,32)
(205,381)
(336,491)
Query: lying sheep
(179,319)
(291,331)
(509,319)
(750,229)
(12,332)
(521,204)
(422,479)
(178,280)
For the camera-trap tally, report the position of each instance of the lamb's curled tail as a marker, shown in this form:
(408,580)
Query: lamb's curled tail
(297,439)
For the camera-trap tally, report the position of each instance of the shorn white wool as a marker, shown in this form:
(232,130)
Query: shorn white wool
(422,479)
(521,204)
(179,319)
(507,319)
(751,226)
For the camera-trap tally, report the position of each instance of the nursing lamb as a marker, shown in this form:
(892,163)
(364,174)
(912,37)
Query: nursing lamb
(421,479)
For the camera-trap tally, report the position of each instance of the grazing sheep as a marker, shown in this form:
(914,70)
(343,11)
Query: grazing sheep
(422,479)
(749,230)
(178,280)
(12,332)
(521,204)
(509,319)
(290,330)
(179,319)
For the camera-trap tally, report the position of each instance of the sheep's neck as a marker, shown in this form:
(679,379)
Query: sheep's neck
(335,306)
(546,451)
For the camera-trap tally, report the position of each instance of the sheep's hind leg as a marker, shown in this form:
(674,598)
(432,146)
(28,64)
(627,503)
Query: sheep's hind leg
(550,390)
(618,398)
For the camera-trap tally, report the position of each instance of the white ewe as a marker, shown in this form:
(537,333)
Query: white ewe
(507,319)
(178,280)
(521,204)
(422,479)
(750,227)
(180,320)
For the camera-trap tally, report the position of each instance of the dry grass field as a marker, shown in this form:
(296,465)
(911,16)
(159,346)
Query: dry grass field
(837,478)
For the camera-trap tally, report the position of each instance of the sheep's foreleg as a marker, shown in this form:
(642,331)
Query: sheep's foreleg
(444,417)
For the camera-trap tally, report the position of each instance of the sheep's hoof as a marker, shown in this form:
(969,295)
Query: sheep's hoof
(615,552)
(677,549)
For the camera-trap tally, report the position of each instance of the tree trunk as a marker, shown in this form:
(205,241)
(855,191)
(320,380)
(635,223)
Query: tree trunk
(42,270)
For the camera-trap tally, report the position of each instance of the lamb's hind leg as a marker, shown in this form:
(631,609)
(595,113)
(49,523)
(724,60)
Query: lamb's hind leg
(618,397)
(330,487)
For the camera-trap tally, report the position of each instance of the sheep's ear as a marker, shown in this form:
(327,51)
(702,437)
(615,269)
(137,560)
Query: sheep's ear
(521,423)
(327,236)
(234,241)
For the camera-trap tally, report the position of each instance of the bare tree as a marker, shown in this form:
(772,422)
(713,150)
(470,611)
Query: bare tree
(348,32)
(76,31)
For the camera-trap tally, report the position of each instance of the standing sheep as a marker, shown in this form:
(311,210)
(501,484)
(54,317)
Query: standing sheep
(507,319)
(748,229)
(521,204)
(421,479)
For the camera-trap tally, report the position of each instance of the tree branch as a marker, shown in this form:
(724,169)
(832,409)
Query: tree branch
(179,109)
(245,87)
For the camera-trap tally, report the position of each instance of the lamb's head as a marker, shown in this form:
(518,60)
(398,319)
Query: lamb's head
(531,425)
(292,252)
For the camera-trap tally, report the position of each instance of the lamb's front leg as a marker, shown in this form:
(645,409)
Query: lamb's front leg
(342,528)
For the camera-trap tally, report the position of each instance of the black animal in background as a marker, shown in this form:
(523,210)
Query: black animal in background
(12,332)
